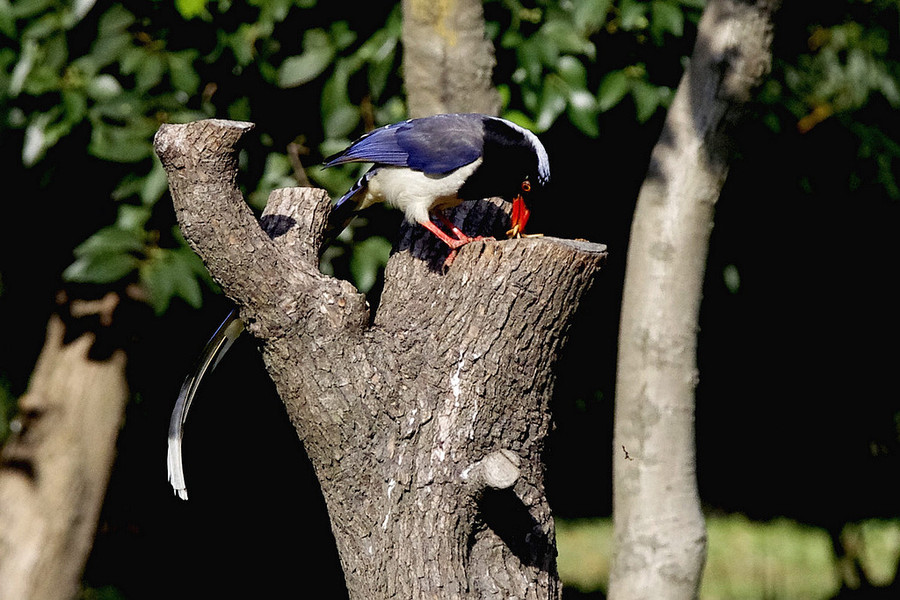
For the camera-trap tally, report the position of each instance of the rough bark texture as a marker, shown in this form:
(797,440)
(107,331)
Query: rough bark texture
(55,469)
(447,61)
(660,536)
(426,426)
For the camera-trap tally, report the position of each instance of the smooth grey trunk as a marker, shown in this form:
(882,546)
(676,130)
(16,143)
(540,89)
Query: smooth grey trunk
(660,534)
(447,60)
(426,425)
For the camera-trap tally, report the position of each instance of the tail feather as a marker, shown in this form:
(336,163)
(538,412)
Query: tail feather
(231,328)
(215,349)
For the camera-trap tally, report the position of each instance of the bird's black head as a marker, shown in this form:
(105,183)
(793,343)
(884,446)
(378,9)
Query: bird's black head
(514,163)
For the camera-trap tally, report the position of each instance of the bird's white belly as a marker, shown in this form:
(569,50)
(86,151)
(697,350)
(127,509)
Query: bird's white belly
(414,192)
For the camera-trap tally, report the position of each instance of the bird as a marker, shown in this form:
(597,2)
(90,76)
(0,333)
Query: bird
(425,165)
(420,166)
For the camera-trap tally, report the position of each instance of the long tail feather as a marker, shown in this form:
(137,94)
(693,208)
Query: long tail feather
(231,328)
(215,349)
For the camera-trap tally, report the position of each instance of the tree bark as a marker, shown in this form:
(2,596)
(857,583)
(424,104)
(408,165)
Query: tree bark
(447,61)
(660,536)
(426,424)
(55,469)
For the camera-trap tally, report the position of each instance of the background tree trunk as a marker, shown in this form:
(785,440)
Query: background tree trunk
(55,469)
(426,425)
(447,61)
(660,536)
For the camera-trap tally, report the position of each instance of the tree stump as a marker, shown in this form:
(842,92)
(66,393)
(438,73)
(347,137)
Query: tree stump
(427,423)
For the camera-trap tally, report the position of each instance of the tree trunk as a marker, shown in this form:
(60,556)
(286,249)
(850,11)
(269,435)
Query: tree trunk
(55,469)
(660,536)
(427,424)
(447,61)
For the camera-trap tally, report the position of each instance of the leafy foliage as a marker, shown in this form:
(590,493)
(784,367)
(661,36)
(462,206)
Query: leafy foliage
(117,71)
(848,69)
(559,46)
(96,79)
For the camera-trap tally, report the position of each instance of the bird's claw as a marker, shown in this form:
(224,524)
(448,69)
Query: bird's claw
(454,249)
(449,260)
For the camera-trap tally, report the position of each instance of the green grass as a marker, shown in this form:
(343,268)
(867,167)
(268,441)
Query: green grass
(773,560)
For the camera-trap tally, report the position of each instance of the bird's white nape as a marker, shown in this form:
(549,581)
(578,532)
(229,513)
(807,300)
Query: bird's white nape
(539,150)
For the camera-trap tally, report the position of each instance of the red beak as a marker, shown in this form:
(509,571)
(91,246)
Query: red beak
(519,218)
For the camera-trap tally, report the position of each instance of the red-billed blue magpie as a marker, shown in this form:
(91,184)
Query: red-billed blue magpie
(421,166)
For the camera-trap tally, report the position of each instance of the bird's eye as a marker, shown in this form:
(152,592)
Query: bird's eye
(526,186)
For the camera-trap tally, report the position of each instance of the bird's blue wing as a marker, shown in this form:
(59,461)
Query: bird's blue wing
(434,145)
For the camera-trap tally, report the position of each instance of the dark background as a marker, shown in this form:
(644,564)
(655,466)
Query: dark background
(797,402)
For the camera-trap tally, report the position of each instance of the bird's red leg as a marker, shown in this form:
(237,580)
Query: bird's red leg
(452,227)
(454,243)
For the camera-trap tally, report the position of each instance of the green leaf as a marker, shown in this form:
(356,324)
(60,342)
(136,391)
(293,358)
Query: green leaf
(572,71)
(155,184)
(111,240)
(379,51)
(40,134)
(100,268)
(318,53)
(24,9)
(647,98)
(75,108)
(531,59)
(159,284)
(7,20)
(336,180)
(115,20)
(172,273)
(182,72)
(341,35)
(341,121)
(339,115)
(613,88)
(185,284)
(565,39)
(104,87)
(133,217)
(552,104)
(590,15)
(23,67)
(119,144)
(368,258)
(277,173)
(583,111)
(633,15)
(190,8)
(665,17)
(303,68)
(392,111)
(149,71)
(80,8)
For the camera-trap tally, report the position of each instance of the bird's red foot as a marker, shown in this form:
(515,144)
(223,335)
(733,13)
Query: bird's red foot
(455,243)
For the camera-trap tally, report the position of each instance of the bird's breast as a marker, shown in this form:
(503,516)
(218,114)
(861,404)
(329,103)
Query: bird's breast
(416,193)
